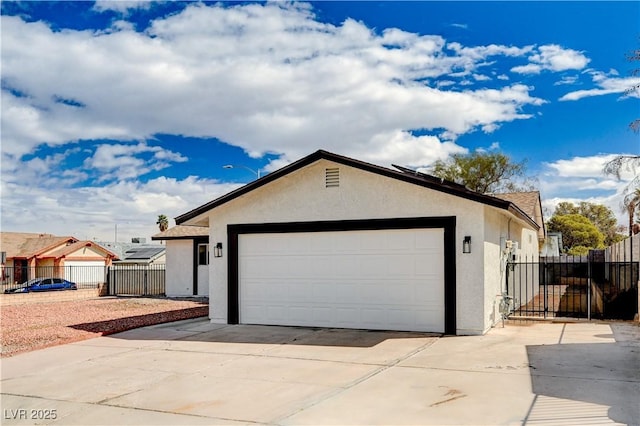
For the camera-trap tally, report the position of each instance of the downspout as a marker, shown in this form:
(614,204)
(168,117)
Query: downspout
(504,260)
(504,277)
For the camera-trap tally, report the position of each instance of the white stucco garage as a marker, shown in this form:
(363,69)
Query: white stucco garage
(330,241)
(341,279)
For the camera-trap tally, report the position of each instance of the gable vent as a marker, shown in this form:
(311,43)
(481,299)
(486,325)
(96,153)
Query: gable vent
(332,177)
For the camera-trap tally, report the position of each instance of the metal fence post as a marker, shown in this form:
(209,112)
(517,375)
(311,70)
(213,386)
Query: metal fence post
(589,287)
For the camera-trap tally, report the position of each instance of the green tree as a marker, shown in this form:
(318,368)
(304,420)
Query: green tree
(578,232)
(162,222)
(601,216)
(484,172)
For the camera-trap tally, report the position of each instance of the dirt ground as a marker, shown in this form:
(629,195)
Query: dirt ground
(35,326)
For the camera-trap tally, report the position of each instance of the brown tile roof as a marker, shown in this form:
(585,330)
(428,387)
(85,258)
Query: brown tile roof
(180,232)
(24,244)
(529,202)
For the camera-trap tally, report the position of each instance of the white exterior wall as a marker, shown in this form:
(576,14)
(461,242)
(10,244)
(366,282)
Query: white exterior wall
(179,264)
(203,280)
(302,196)
(497,229)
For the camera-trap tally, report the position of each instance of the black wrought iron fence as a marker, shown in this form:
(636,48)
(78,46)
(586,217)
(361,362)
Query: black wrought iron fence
(574,286)
(82,276)
(118,279)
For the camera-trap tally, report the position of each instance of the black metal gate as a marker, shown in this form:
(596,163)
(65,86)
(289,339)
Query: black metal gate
(136,279)
(574,286)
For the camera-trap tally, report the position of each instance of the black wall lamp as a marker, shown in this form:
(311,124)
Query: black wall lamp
(466,244)
(217,250)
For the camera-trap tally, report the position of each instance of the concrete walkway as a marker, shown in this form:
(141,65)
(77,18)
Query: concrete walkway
(194,372)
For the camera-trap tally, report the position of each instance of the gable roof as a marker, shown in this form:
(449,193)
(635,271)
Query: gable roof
(27,245)
(70,248)
(529,202)
(182,232)
(407,175)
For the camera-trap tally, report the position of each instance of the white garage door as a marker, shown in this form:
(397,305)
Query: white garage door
(86,272)
(381,279)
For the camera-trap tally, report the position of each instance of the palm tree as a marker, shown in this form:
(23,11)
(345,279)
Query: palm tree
(163,222)
(631,203)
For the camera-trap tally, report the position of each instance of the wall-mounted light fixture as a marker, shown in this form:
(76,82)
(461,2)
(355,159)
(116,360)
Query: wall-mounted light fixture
(217,250)
(466,244)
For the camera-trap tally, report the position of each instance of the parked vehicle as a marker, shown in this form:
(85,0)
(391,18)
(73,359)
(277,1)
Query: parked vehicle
(44,284)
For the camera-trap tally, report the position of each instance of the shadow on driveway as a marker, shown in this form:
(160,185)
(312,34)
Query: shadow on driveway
(273,335)
(598,373)
(118,325)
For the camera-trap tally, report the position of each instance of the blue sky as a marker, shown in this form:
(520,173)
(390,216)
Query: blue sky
(114,112)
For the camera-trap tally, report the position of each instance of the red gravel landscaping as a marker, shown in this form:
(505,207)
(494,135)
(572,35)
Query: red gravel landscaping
(28,327)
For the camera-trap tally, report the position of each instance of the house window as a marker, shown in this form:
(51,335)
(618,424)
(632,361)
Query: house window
(203,254)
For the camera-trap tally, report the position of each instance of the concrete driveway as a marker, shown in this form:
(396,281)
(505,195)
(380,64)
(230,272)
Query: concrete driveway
(194,372)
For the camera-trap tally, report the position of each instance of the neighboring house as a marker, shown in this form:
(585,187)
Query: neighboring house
(31,255)
(187,260)
(552,245)
(330,241)
(144,255)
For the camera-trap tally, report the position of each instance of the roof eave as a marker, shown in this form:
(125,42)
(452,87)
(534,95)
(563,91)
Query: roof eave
(325,155)
(515,210)
(182,237)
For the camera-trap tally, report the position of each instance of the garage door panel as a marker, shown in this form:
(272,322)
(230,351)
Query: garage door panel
(345,267)
(343,243)
(372,266)
(403,266)
(424,265)
(382,279)
(426,241)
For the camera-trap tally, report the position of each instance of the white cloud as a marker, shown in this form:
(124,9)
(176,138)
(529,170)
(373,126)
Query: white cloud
(493,147)
(607,84)
(91,212)
(483,52)
(564,180)
(121,6)
(584,167)
(481,77)
(445,83)
(263,77)
(406,149)
(552,57)
(567,80)
(490,128)
(122,161)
